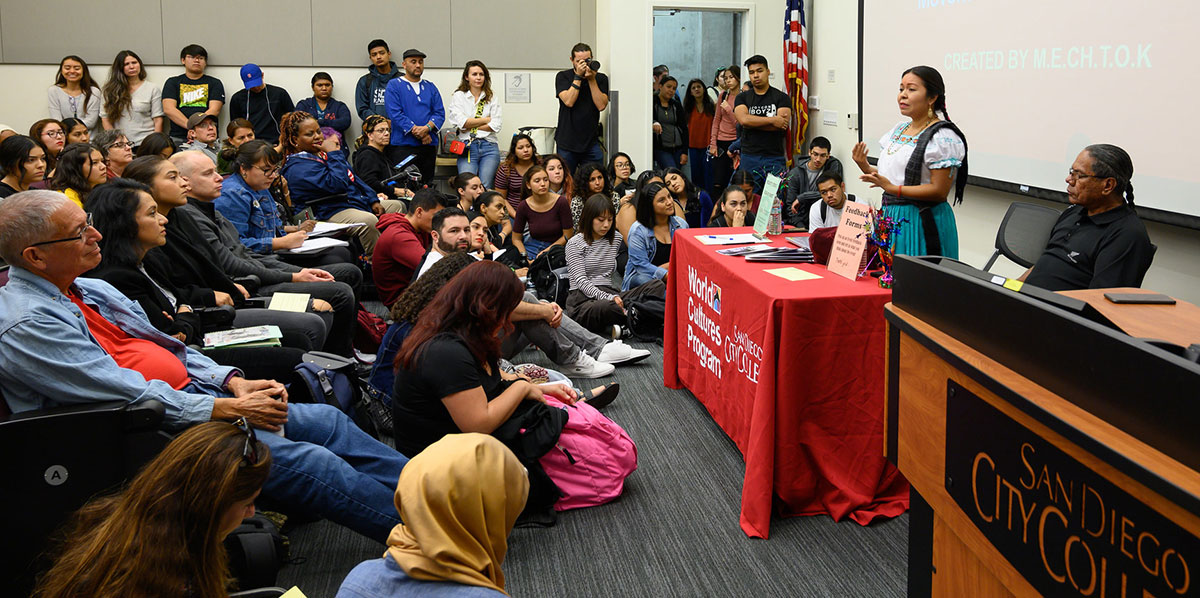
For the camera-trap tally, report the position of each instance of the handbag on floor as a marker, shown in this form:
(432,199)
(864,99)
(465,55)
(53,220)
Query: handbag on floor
(591,459)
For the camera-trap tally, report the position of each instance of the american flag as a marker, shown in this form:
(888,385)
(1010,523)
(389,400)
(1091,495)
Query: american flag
(795,57)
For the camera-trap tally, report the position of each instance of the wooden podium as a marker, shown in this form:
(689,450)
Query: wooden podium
(1050,453)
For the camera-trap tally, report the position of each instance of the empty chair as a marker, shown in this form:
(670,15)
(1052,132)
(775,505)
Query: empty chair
(1024,233)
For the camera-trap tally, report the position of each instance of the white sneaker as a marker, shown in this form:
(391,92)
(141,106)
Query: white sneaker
(586,367)
(619,352)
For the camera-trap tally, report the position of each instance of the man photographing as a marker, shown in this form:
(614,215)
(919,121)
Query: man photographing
(582,95)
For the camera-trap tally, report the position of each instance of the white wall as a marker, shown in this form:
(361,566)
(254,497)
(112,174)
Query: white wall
(833,43)
(24,97)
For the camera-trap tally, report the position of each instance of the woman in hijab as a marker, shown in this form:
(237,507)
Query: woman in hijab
(459,499)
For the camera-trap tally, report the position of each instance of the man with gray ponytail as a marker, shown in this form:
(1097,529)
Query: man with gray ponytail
(1098,242)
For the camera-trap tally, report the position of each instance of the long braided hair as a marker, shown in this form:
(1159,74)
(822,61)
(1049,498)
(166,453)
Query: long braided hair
(289,130)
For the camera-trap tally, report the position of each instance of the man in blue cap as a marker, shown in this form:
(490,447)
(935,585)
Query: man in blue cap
(261,104)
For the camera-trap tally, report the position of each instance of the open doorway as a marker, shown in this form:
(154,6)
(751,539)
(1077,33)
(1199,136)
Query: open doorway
(696,44)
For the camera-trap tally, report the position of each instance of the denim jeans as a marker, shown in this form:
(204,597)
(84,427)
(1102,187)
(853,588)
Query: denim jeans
(533,246)
(759,166)
(328,466)
(574,159)
(702,170)
(482,158)
(664,158)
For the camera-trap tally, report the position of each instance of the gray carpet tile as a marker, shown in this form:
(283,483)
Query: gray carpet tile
(673,533)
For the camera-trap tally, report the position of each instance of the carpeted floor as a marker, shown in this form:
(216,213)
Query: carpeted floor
(674,532)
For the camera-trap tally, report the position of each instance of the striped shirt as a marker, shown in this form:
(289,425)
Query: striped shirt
(592,265)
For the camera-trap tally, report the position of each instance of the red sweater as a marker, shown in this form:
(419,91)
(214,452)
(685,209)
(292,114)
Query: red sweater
(397,254)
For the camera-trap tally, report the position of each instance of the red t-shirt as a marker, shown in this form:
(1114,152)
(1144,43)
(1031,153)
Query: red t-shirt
(148,359)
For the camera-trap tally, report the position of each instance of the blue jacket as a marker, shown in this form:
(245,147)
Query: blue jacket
(406,109)
(336,115)
(368,94)
(642,245)
(314,176)
(253,213)
(49,359)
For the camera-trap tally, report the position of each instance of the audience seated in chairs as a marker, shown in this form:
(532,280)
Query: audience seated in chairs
(80,168)
(324,181)
(22,163)
(650,237)
(370,158)
(124,212)
(62,327)
(188,262)
(163,534)
(592,259)
(459,500)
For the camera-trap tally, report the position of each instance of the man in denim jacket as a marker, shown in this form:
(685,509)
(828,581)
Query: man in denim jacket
(54,330)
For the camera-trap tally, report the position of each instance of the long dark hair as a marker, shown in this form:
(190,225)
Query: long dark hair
(596,206)
(117,97)
(14,151)
(690,191)
(568,184)
(584,174)
(645,205)
(35,132)
(418,294)
(161,536)
(113,207)
(511,158)
(69,173)
(85,82)
(525,190)
(465,85)
(143,169)
(474,305)
(689,101)
(934,85)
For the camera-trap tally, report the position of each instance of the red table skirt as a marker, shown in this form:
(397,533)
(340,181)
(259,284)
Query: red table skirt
(793,373)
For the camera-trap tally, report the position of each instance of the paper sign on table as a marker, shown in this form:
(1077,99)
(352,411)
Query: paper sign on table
(850,241)
(792,274)
(730,239)
(762,220)
(297,302)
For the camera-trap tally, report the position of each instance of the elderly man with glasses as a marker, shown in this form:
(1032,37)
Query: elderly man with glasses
(66,340)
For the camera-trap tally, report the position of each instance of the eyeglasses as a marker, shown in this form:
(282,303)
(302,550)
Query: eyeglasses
(268,173)
(121,145)
(54,133)
(1079,175)
(81,235)
(250,449)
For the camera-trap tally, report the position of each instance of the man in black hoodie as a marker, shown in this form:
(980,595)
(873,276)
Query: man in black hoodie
(261,104)
(368,96)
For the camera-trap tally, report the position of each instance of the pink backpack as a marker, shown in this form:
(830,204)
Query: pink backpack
(591,460)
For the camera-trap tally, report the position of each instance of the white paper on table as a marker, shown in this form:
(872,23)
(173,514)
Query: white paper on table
(324,229)
(730,239)
(312,245)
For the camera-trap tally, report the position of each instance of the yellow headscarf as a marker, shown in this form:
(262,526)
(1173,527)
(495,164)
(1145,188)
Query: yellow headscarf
(458,499)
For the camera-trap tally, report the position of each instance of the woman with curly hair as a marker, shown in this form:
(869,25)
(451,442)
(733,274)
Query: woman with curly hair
(322,177)
(131,103)
(163,535)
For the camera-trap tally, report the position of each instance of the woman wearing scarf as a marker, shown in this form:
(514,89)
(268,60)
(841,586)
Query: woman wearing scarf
(459,499)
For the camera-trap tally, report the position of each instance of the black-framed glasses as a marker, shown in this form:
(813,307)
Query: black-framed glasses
(1079,175)
(250,449)
(81,235)
(268,173)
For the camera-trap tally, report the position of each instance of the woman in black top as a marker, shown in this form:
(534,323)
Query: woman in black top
(670,127)
(22,162)
(448,378)
(370,163)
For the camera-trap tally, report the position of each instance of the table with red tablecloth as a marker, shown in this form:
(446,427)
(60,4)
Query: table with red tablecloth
(793,372)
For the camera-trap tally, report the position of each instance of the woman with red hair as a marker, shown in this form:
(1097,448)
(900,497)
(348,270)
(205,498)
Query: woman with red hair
(448,378)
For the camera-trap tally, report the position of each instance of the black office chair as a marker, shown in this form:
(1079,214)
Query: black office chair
(53,461)
(1023,233)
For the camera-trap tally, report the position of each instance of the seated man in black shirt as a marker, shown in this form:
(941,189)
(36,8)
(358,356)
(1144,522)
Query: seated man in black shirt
(1099,242)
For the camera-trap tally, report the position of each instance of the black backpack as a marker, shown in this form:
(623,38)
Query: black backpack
(646,316)
(256,551)
(541,272)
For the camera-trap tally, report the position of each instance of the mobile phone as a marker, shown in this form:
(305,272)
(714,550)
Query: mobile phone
(1139,298)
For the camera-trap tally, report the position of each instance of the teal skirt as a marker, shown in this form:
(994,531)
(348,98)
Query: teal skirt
(911,240)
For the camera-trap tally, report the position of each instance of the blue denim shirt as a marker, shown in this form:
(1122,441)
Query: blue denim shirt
(253,213)
(49,359)
(642,245)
